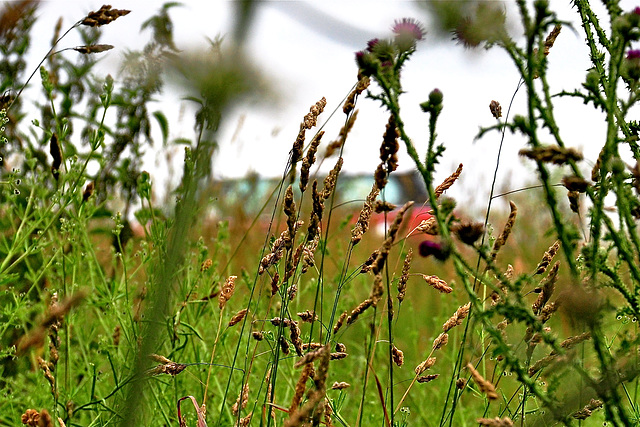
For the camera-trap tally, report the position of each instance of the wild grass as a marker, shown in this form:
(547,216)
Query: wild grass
(305,313)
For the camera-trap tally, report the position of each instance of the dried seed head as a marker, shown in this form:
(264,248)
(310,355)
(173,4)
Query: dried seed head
(484,385)
(301,386)
(330,181)
(359,310)
(575,183)
(427,378)
(388,153)
(461,383)
(105,15)
(383,206)
(294,334)
(574,201)
(340,385)
(309,160)
(227,291)
(428,226)
(447,183)
(88,191)
(334,146)
(468,232)
(362,225)
(588,409)
(340,322)
(94,48)
(402,283)
(366,266)
(437,283)
(337,355)
(552,154)
(350,103)
(237,318)
(495,422)
(379,262)
(551,38)
(547,288)
(440,341)
(496,109)
(242,400)
(165,366)
(548,257)
(425,365)
(341,348)
(457,317)
(56,156)
(397,355)
(506,231)
(284,346)
(257,335)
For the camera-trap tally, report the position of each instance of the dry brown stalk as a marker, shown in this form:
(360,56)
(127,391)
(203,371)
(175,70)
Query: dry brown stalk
(547,288)
(340,385)
(548,257)
(552,154)
(438,284)
(242,400)
(440,341)
(362,225)
(105,15)
(237,318)
(506,231)
(457,317)
(427,378)
(340,322)
(397,355)
(359,310)
(309,160)
(484,385)
(402,283)
(227,291)
(588,409)
(495,422)
(447,183)
(425,365)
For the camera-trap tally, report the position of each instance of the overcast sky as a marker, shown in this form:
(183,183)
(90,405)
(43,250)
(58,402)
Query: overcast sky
(306,49)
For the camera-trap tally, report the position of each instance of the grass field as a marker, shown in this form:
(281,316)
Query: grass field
(116,309)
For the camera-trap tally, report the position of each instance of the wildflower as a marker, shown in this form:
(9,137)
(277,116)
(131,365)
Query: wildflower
(408,31)
(371,44)
(439,250)
(367,63)
(631,66)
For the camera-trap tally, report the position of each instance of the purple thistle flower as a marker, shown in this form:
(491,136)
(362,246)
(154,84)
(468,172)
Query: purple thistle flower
(636,11)
(409,27)
(633,54)
(372,43)
(438,250)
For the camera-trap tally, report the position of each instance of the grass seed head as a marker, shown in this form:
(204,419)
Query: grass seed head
(398,356)
(496,109)
(362,225)
(227,291)
(402,283)
(237,318)
(340,385)
(485,386)
(428,363)
(447,183)
(104,16)
(427,378)
(495,422)
(506,231)
(438,284)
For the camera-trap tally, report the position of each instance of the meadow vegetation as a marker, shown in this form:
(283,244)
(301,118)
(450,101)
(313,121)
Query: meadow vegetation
(116,309)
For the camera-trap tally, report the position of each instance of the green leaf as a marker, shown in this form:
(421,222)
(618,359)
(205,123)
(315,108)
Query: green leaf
(164,126)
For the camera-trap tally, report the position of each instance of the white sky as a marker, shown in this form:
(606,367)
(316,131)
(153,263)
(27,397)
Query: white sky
(307,51)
